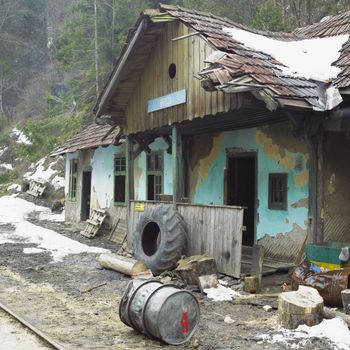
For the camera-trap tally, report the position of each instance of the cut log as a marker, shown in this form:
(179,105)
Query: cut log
(127,266)
(345,296)
(257,263)
(251,284)
(304,306)
(194,266)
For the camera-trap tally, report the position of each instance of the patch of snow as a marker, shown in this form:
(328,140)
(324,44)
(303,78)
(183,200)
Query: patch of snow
(309,58)
(14,210)
(58,182)
(15,188)
(335,331)
(3,150)
(220,293)
(47,215)
(33,250)
(39,173)
(6,166)
(21,137)
(223,282)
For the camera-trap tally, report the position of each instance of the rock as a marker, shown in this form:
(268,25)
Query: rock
(228,319)
(267,308)
(207,281)
(194,266)
(57,206)
(304,306)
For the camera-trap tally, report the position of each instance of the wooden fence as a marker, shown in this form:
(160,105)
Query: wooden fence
(213,230)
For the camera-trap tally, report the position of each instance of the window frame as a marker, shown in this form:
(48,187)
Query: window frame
(73,179)
(283,191)
(119,172)
(155,172)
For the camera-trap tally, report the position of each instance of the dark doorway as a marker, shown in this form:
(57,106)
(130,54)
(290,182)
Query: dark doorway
(86,195)
(241,190)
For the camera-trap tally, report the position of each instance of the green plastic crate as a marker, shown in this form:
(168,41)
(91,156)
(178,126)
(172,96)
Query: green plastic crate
(326,254)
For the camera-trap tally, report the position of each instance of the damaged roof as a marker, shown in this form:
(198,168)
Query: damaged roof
(235,67)
(92,136)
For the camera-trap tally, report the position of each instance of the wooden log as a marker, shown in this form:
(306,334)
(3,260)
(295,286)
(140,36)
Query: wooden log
(257,263)
(331,313)
(127,266)
(194,266)
(304,306)
(251,284)
(345,296)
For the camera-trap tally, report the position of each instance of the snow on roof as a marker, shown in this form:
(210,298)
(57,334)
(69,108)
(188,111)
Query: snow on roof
(309,58)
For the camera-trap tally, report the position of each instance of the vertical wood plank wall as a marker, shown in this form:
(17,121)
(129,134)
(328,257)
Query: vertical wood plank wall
(212,230)
(188,54)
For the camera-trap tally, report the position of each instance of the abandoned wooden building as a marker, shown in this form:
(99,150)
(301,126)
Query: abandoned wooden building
(218,127)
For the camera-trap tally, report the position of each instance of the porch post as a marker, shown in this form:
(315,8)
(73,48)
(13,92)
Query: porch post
(313,188)
(320,186)
(175,148)
(129,183)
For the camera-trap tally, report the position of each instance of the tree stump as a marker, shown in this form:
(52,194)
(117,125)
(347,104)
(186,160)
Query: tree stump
(194,266)
(345,296)
(251,284)
(304,306)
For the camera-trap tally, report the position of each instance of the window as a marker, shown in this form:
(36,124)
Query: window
(154,175)
(73,179)
(278,191)
(119,178)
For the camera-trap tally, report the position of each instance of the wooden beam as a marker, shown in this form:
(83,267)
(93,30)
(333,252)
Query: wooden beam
(175,156)
(129,182)
(320,186)
(142,145)
(168,141)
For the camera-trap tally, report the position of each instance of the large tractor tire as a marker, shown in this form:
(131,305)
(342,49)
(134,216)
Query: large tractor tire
(160,238)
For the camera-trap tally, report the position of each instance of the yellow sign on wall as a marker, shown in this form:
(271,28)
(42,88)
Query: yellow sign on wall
(139,207)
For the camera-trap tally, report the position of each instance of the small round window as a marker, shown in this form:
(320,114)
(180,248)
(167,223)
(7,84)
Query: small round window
(172,71)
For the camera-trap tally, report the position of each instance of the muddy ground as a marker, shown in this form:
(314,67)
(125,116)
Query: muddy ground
(55,298)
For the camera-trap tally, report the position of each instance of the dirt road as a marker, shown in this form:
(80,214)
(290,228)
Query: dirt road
(54,297)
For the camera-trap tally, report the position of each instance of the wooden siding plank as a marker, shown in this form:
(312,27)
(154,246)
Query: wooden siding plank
(188,54)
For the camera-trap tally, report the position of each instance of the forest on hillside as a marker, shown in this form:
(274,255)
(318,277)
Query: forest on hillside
(55,55)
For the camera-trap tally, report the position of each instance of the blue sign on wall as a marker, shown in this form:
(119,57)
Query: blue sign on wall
(162,102)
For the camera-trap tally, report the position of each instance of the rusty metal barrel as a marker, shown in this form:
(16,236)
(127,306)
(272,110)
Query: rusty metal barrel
(160,311)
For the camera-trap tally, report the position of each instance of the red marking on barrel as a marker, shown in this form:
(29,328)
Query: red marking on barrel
(184,322)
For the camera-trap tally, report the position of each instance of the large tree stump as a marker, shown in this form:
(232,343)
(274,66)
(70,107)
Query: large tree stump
(194,266)
(304,306)
(345,295)
(122,264)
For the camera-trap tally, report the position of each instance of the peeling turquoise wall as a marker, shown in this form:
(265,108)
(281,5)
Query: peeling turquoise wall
(140,180)
(270,158)
(102,177)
